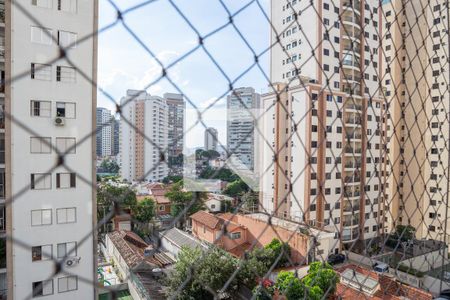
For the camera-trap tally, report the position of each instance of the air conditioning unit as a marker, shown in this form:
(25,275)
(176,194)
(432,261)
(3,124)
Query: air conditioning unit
(72,261)
(60,121)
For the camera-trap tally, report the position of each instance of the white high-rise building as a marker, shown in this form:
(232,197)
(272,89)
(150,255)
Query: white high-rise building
(322,157)
(144,137)
(243,110)
(104,133)
(48,170)
(211,138)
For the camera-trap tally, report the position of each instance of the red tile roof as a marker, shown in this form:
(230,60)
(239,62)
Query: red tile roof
(390,288)
(207,219)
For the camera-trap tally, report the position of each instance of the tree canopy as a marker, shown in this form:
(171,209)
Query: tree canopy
(109,166)
(144,211)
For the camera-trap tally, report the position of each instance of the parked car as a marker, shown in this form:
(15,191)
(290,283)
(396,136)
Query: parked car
(444,295)
(380,267)
(334,259)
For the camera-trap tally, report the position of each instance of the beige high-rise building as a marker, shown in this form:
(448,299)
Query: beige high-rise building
(416,79)
(322,126)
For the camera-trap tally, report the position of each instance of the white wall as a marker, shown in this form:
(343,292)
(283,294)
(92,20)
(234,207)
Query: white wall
(23,163)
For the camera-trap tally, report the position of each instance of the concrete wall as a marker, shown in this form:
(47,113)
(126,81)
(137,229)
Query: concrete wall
(426,261)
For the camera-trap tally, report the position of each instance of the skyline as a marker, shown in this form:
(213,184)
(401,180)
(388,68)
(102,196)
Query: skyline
(119,71)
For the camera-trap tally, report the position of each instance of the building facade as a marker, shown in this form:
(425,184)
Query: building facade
(177,108)
(144,137)
(415,76)
(243,108)
(211,138)
(322,121)
(116,138)
(51,213)
(104,133)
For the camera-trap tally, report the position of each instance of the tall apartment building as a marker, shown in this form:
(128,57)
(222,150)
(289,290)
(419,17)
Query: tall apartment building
(177,107)
(116,138)
(144,137)
(104,133)
(50,211)
(243,111)
(211,138)
(416,76)
(322,125)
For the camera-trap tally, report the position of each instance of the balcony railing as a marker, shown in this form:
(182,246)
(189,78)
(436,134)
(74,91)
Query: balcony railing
(353,165)
(356,5)
(354,136)
(353,106)
(352,179)
(348,62)
(356,121)
(350,208)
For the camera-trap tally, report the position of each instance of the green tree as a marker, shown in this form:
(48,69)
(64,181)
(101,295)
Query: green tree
(250,201)
(405,232)
(109,196)
(180,199)
(289,285)
(321,275)
(236,188)
(144,211)
(204,271)
(281,250)
(110,166)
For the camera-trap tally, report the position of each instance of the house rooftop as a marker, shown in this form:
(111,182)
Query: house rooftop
(291,225)
(181,238)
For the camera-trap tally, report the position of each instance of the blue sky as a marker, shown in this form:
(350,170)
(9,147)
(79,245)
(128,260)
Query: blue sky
(124,63)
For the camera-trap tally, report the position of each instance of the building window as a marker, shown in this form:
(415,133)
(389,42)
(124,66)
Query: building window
(40,108)
(42,288)
(40,145)
(41,217)
(65,180)
(66,110)
(65,74)
(66,284)
(66,250)
(41,181)
(66,215)
(42,3)
(67,5)
(161,207)
(235,235)
(39,253)
(67,39)
(41,72)
(40,35)
(66,145)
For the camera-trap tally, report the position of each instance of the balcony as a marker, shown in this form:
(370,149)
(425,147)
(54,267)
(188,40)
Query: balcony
(354,5)
(353,106)
(352,89)
(354,136)
(355,121)
(354,222)
(352,179)
(352,165)
(350,208)
(351,63)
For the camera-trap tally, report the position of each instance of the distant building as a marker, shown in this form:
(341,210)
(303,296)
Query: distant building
(116,138)
(177,107)
(243,110)
(211,137)
(144,143)
(104,133)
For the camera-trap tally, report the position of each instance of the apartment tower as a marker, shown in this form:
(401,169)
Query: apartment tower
(177,108)
(211,138)
(416,78)
(144,137)
(243,108)
(104,134)
(322,124)
(48,168)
